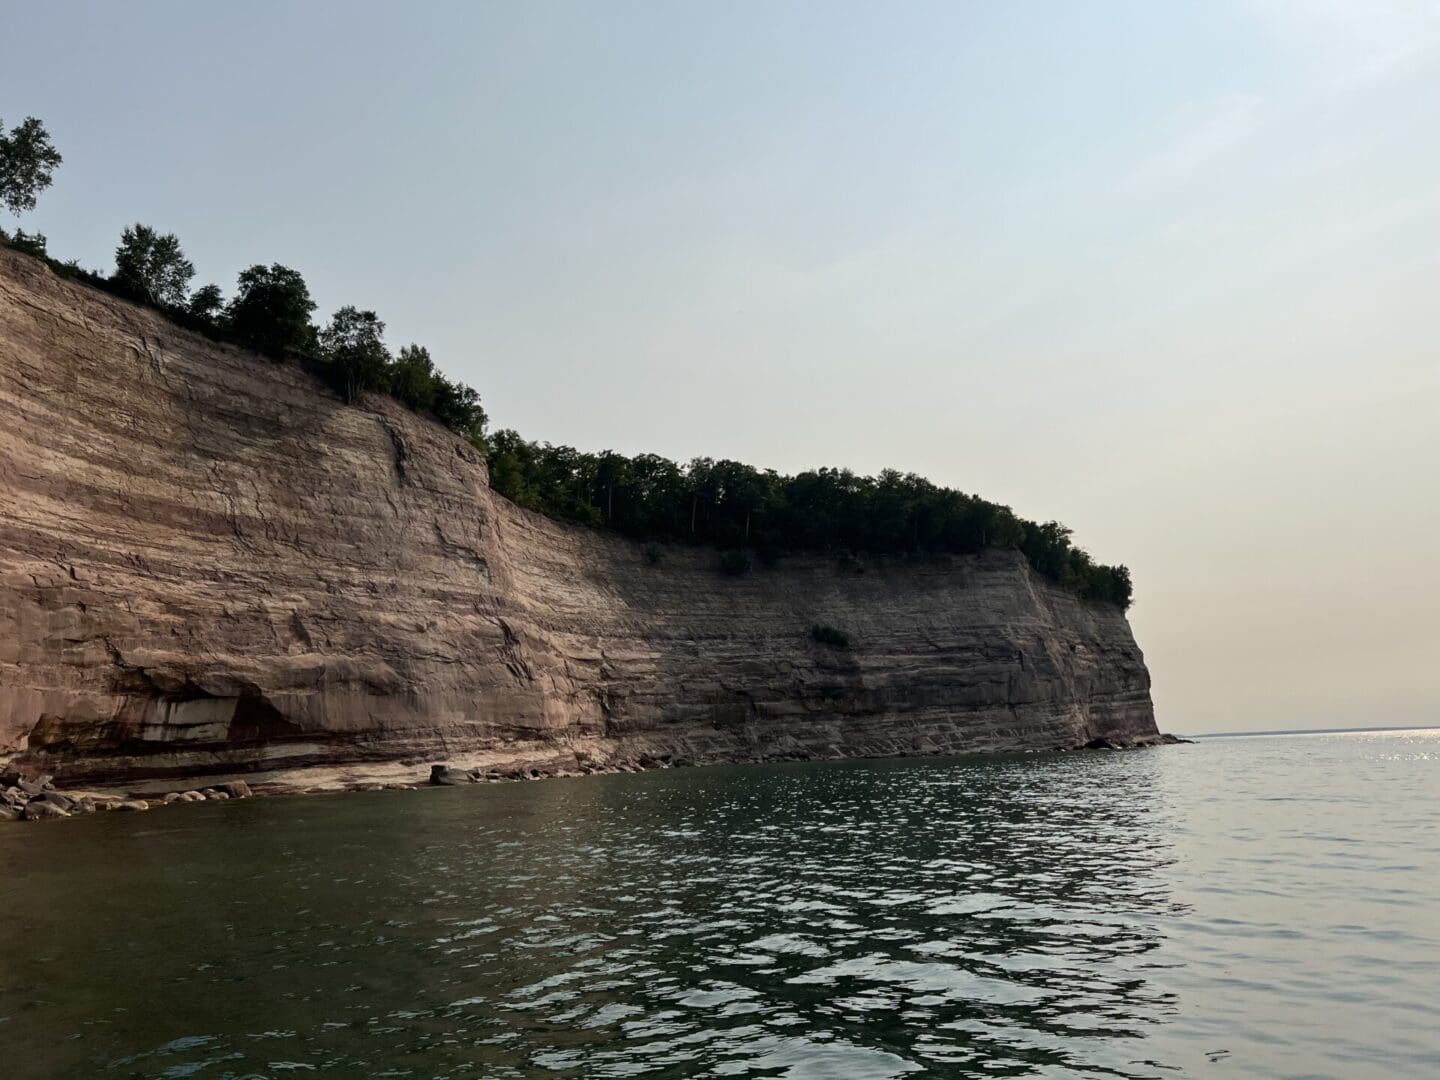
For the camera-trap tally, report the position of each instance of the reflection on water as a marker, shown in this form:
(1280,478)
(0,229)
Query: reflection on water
(1028,916)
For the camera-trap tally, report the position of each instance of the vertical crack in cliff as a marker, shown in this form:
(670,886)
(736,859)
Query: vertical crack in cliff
(399,459)
(149,354)
(221,487)
(608,696)
(298,628)
(271,533)
(510,654)
(399,448)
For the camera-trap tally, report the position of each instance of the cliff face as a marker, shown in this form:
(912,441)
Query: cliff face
(209,562)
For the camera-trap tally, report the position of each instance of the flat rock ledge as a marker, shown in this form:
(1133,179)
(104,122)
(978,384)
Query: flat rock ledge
(36,798)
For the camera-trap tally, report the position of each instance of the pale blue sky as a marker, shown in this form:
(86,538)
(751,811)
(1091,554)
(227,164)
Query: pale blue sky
(1169,272)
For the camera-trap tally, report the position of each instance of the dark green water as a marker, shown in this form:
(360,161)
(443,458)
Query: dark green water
(1248,907)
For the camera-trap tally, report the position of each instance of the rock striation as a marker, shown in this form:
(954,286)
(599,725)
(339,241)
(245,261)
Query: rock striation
(208,563)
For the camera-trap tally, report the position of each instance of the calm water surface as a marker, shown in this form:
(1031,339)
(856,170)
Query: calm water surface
(1261,907)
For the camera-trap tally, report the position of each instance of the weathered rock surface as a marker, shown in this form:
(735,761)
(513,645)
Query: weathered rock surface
(55,798)
(208,563)
(445,776)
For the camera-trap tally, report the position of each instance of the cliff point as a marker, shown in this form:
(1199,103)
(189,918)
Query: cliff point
(211,565)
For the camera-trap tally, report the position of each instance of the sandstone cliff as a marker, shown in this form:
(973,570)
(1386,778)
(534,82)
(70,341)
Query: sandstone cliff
(207,561)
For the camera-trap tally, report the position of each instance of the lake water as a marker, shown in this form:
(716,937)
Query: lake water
(1258,907)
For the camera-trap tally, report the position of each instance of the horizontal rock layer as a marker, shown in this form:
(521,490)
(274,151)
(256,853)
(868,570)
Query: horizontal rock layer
(207,561)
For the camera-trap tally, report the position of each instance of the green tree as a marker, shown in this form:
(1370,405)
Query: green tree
(271,312)
(151,266)
(658,503)
(458,407)
(412,378)
(612,471)
(206,303)
(512,469)
(33,243)
(28,161)
(742,511)
(353,347)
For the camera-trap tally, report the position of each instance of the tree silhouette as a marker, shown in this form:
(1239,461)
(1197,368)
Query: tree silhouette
(353,347)
(271,312)
(152,266)
(28,160)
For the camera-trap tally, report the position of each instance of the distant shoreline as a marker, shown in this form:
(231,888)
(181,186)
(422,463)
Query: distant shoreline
(1312,731)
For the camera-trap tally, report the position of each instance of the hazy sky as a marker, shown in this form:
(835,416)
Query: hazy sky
(1166,271)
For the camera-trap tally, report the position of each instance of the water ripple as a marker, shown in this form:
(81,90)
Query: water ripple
(1084,915)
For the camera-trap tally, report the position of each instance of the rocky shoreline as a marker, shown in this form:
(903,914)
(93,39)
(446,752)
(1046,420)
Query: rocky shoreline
(35,796)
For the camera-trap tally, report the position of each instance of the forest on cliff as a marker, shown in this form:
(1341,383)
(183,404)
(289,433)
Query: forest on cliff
(732,506)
